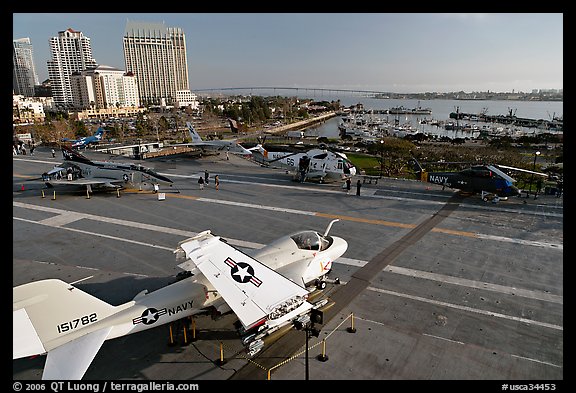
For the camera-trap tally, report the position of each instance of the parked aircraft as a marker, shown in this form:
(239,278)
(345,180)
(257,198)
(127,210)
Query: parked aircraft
(487,180)
(87,140)
(215,145)
(316,164)
(81,171)
(266,291)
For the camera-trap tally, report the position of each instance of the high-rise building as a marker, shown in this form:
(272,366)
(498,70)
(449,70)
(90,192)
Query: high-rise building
(156,55)
(71,52)
(24,76)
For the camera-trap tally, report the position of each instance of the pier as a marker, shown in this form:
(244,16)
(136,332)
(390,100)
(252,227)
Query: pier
(555,124)
(302,123)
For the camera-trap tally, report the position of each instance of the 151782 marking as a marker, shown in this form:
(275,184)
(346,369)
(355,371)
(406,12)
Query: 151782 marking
(73,324)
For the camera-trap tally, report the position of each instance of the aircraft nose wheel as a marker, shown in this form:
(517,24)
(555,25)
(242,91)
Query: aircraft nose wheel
(320,284)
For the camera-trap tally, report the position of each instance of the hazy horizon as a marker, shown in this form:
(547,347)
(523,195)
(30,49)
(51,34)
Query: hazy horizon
(398,53)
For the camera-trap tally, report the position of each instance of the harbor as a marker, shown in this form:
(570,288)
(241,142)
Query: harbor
(368,119)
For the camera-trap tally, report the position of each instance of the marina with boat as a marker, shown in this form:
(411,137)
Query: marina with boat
(359,122)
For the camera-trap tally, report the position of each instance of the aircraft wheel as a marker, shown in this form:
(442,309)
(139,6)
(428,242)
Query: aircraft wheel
(485,199)
(320,284)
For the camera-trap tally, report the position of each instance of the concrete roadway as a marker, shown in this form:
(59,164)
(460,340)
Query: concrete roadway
(437,287)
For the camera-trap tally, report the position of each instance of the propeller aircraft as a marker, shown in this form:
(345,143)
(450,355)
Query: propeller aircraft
(266,290)
(489,181)
(79,170)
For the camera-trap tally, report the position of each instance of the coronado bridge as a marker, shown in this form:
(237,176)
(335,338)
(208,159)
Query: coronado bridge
(314,90)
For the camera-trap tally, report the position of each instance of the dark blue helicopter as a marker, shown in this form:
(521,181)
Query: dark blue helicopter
(487,180)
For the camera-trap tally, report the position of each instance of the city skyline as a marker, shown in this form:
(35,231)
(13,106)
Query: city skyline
(404,53)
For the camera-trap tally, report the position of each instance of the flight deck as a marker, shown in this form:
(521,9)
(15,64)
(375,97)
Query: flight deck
(433,286)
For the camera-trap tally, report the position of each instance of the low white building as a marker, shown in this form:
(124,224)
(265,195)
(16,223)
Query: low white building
(27,110)
(185,98)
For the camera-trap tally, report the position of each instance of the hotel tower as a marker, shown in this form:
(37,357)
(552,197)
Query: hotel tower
(71,52)
(24,76)
(156,55)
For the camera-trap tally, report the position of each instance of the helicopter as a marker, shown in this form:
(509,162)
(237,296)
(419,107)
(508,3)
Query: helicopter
(316,164)
(488,180)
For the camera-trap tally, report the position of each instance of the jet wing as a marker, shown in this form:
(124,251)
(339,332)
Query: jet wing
(71,360)
(252,290)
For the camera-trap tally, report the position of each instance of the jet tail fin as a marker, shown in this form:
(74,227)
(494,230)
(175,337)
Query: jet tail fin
(417,167)
(72,155)
(259,148)
(45,312)
(193,133)
(419,171)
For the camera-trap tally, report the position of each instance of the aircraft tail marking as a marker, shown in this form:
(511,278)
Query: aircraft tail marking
(44,312)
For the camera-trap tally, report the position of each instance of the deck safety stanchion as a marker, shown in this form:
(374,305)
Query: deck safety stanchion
(185,336)
(351,329)
(221,360)
(171,342)
(193,329)
(322,357)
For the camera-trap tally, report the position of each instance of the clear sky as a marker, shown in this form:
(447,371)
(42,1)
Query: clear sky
(395,52)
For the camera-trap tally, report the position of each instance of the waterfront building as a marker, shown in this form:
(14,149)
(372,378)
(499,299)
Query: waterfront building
(104,87)
(71,52)
(156,55)
(24,76)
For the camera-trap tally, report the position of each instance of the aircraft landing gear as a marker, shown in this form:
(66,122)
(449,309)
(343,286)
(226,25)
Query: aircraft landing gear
(320,284)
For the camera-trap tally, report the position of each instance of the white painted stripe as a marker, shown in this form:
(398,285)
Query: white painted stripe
(101,235)
(62,219)
(418,298)
(469,309)
(253,206)
(459,342)
(82,279)
(537,361)
(538,295)
(443,338)
(557,246)
(252,245)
